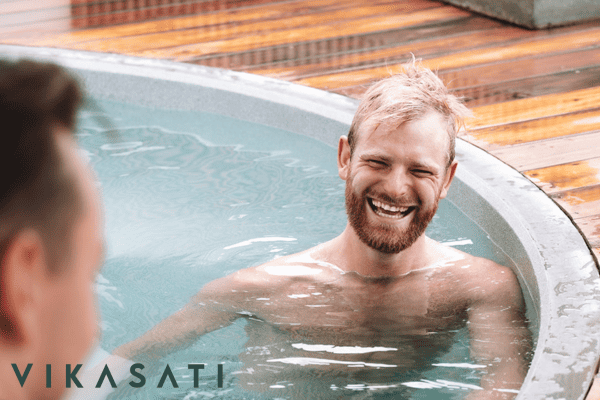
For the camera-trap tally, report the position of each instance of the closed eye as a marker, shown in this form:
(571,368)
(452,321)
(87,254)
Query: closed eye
(376,163)
(422,172)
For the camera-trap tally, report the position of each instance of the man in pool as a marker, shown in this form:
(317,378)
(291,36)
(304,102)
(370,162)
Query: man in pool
(382,297)
(50,233)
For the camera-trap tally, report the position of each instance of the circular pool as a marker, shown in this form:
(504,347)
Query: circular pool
(548,254)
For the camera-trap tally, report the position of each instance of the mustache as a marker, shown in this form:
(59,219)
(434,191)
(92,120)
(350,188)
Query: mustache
(395,201)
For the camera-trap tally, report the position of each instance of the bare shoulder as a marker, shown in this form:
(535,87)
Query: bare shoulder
(490,282)
(478,279)
(485,269)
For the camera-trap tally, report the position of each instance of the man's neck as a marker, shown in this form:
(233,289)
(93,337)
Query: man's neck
(351,254)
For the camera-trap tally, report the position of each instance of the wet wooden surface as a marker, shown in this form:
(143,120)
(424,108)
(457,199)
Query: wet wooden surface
(536,94)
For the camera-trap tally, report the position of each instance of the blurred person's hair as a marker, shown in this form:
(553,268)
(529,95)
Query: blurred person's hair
(35,189)
(408,96)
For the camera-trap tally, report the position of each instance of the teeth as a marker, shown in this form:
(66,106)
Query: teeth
(392,216)
(388,207)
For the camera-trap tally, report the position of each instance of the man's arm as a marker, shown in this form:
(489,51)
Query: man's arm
(206,311)
(209,310)
(500,338)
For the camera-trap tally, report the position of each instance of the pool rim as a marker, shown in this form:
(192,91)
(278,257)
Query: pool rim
(565,271)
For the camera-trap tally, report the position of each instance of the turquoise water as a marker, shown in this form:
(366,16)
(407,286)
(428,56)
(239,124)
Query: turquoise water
(187,195)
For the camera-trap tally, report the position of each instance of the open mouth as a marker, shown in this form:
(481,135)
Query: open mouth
(387,210)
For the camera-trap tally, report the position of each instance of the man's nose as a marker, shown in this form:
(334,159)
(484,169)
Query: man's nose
(397,183)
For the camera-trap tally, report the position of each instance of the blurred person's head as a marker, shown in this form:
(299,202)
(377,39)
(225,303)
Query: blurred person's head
(51,240)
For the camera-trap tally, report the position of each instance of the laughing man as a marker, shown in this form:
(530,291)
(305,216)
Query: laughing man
(381,296)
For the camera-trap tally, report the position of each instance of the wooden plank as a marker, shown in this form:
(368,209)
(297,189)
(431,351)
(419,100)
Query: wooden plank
(252,10)
(534,108)
(468,33)
(23,6)
(276,29)
(500,136)
(566,176)
(550,152)
(340,52)
(103,13)
(512,70)
(136,38)
(521,78)
(335,28)
(232,16)
(580,203)
(458,36)
(22,21)
(355,92)
(556,44)
(34,23)
(560,82)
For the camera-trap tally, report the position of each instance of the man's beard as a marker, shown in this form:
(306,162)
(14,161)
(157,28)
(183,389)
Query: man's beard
(385,238)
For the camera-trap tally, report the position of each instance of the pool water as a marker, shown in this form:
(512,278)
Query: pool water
(191,197)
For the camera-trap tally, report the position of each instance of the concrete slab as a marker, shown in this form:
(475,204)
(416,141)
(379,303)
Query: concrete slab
(535,14)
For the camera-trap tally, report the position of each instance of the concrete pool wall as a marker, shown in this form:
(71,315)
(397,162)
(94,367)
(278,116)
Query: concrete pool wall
(549,255)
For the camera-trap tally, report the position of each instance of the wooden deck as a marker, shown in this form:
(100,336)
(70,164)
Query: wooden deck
(536,94)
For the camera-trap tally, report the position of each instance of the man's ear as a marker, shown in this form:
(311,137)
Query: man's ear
(343,159)
(24,271)
(448,179)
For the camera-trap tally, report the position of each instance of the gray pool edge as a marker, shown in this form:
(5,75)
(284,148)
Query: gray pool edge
(552,258)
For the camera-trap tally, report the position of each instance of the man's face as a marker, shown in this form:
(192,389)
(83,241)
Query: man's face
(72,320)
(394,180)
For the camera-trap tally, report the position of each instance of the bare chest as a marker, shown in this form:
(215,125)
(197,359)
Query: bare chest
(359,311)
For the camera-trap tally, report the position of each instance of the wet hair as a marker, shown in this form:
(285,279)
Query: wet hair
(36,190)
(407,96)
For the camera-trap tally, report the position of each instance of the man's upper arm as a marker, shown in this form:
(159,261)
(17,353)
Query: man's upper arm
(208,310)
(500,338)
(215,306)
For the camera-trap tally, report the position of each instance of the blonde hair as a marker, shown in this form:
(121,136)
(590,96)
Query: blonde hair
(408,96)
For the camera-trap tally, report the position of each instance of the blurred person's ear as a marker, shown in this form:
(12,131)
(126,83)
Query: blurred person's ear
(24,273)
